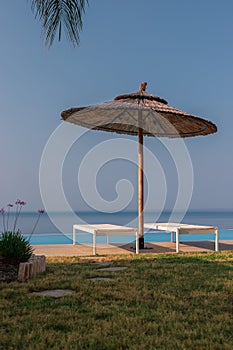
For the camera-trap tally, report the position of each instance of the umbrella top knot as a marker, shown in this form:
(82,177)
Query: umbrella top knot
(143,86)
(141,95)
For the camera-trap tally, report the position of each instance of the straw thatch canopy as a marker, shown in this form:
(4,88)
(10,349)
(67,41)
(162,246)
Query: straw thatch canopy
(126,113)
(139,114)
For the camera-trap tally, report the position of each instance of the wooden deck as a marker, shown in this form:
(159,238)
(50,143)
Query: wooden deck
(111,249)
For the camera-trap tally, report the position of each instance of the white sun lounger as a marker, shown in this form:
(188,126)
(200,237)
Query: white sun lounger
(183,228)
(105,230)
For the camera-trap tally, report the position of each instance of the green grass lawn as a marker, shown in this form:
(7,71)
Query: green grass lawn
(160,302)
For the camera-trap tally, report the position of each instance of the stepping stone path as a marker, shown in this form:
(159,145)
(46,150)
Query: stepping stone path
(103,263)
(56,293)
(110,269)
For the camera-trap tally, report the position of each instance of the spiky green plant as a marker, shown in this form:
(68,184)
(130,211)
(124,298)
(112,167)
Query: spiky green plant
(14,247)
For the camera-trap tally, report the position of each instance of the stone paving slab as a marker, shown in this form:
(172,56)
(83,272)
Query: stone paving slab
(56,293)
(103,263)
(104,249)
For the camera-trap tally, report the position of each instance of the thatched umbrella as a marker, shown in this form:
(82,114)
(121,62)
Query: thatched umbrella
(139,114)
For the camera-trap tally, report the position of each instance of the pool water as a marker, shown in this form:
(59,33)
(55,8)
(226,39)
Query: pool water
(152,236)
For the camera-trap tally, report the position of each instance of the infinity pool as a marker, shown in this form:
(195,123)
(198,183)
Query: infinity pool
(152,236)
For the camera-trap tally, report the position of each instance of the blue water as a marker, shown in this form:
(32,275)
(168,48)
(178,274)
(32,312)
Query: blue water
(155,236)
(47,232)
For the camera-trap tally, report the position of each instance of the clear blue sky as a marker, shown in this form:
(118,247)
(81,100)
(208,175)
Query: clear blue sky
(182,48)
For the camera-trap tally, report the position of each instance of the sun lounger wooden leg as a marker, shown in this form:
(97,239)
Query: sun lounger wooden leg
(94,243)
(216,240)
(177,240)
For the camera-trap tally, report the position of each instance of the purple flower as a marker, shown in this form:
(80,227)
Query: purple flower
(6,215)
(19,202)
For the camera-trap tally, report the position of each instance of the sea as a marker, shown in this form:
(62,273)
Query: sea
(56,228)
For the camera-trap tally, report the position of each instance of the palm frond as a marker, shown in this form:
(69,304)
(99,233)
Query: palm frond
(58,16)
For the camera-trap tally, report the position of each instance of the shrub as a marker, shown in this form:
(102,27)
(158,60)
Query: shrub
(14,247)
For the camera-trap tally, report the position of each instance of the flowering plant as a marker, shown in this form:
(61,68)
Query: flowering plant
(6,213)
(14,247)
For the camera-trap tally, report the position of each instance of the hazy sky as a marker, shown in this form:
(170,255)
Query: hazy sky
(182,48)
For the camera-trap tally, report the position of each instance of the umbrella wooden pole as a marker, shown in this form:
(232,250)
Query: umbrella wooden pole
(140,189)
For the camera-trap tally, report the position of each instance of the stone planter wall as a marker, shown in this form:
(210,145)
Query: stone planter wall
(35,265)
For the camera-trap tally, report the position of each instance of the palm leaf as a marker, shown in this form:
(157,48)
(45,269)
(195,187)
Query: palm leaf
(58,16)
